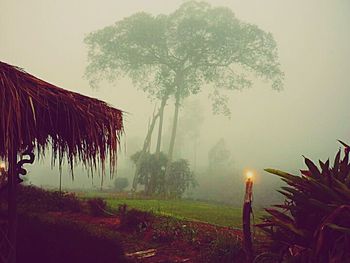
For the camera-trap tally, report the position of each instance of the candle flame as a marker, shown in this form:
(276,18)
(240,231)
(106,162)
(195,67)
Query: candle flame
(249,175)
(2,166)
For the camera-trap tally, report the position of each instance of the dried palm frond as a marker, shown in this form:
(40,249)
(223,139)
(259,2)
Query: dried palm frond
(35,113)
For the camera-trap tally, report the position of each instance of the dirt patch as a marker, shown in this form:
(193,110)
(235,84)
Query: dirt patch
(165,240)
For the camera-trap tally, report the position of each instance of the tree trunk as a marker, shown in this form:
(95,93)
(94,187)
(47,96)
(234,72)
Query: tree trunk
(152,177)
(149,140)
(160,128)
(146,146)
(172,139)
(174,129)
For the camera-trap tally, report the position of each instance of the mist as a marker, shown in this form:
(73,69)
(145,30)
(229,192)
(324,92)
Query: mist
(266,129)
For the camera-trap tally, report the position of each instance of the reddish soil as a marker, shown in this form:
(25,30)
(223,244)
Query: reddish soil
(182,241)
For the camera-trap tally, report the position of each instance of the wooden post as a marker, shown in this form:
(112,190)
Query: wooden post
(247,209)
(12,203)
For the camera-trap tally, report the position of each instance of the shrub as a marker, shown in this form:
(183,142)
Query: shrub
(181,178)
(71,202)
(151,173)
(32,198)
(169,229)
(97,206)
(134,219)
(44,239)
(313,224)
(225,248)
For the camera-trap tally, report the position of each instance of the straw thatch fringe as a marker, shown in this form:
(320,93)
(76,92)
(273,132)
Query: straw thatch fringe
(34,113)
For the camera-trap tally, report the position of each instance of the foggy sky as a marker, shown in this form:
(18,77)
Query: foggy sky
(267,128)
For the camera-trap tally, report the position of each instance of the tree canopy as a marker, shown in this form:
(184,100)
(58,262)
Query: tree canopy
(178,53)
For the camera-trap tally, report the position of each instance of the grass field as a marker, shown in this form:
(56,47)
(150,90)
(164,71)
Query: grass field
(217,214)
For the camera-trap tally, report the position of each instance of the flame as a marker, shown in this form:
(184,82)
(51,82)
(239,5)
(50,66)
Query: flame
(249,175)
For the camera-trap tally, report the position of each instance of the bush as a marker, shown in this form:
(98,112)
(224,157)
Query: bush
(181,178)
(134,219)
(44,239)
(32,198)
(97,206)
(167,230)
(151,173)
(120,183)
(226,248)
(313,224)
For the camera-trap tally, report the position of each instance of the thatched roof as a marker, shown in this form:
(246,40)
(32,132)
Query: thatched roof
(34,113)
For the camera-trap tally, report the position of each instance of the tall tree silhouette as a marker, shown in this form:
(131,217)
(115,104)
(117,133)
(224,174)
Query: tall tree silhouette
(176,55)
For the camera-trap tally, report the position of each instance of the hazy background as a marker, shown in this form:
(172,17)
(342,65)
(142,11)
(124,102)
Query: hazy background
(266,129)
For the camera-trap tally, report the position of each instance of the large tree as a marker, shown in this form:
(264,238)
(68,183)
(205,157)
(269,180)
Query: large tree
(175,55)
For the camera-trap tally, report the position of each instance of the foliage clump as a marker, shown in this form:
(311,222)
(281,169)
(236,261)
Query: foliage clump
(33,198)
(169,229)
(179,53)
(133,219)
(152,174)
(313,224)
(226,248)
(180,178)
(97,206)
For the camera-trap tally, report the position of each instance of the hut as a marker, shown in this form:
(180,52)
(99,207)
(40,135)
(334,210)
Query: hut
(36,116)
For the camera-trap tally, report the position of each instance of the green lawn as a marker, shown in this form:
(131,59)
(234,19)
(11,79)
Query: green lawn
(184,209)
(217,214)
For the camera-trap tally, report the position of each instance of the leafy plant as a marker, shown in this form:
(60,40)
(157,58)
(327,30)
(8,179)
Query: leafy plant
(33,198)
(97,206)
(169,229)
(225,248)
(151,172)
(313,225)
(134,219)
(152,175)
(180,178)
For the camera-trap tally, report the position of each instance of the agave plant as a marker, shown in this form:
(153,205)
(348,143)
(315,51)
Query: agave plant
(313,224)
